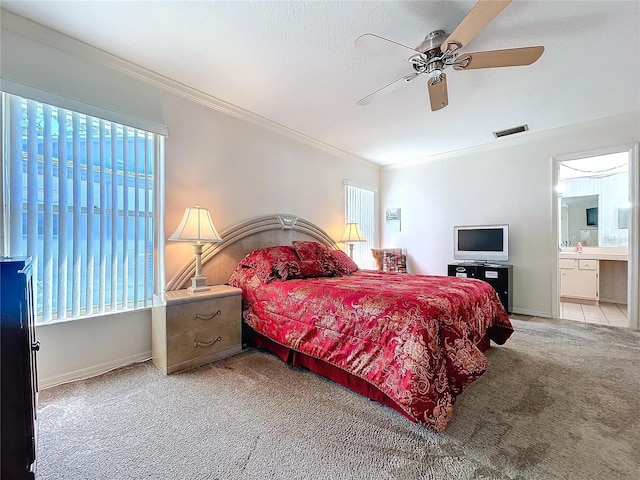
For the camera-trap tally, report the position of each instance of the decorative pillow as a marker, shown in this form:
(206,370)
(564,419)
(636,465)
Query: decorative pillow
(378,253)
(394,262)
(278,253)
(308,250)
(263,259)
(243,276)
(343,264)
(301,269)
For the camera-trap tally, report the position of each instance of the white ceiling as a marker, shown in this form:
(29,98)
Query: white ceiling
(295,63)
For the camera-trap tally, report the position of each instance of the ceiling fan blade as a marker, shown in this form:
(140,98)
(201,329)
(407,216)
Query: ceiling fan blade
(511,57)
(377,44)
(479,17)
(438,92)
(387,88)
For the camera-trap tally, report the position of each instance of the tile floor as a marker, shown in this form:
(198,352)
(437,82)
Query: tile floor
(605,314)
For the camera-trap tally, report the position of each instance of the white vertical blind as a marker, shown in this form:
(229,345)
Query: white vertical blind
(48,192)
(80,198)
(76,218)
(63,217)
(360,208)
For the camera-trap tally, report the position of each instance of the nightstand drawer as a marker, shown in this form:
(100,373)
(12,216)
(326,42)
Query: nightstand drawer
(205,341)
(201,314)
(188,330)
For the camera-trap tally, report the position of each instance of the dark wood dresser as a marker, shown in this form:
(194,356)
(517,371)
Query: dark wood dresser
(19,385)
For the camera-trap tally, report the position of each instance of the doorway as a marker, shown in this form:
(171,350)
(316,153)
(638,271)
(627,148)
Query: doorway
(596,237)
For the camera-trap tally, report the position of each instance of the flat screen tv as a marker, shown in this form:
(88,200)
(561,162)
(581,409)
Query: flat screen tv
(481,243)
(592,217)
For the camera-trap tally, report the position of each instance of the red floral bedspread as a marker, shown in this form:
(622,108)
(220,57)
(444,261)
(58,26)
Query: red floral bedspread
(414,337)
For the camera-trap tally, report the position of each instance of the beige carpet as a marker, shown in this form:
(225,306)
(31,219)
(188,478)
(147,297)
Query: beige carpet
(560,400)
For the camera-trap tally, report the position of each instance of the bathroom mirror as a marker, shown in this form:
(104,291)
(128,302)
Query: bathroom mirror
(606,190)
(623,217)
(579,221)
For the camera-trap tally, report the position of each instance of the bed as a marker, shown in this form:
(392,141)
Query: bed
(412,342)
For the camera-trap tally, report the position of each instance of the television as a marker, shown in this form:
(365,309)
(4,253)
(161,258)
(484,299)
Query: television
(481,243)
(592,217)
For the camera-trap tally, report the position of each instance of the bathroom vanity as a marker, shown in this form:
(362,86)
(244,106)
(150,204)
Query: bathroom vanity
(593,276)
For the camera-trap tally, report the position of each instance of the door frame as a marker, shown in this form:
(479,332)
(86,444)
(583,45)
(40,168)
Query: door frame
(633,265)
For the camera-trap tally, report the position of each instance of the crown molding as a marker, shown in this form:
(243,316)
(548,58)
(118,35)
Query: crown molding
(525,138)
(54,39)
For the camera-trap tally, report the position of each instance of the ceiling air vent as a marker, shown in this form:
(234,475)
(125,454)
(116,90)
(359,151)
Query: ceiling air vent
(511,131)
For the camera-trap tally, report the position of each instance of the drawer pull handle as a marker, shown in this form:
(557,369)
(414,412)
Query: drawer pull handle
(197,344)
(197,316)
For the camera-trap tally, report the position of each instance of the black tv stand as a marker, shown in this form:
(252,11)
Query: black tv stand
(499,276)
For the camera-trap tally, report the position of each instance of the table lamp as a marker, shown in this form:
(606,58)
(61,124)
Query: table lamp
(352,233)
(197,227)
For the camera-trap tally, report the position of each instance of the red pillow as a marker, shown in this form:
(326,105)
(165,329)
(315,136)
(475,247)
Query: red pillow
(243,276)
(301,269)
(278,253)
(263,259)
(308,250)
(343,264)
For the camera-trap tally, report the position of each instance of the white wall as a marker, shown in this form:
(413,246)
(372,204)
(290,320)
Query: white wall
(240,170)
(237,168)
(509,182)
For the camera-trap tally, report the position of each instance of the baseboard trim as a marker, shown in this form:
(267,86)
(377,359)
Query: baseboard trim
(533,313)
(93,371)
(619,301)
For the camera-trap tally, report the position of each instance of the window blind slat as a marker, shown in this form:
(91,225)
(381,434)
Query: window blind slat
(76,219)
(125,216)
(147,208)
(103,219)
(136,219)
(114,220)
(48,283)
(32,189)
(31,177)
(15,177)
(90,256)
(63,203)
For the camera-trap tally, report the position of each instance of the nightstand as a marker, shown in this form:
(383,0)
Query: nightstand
(193,329)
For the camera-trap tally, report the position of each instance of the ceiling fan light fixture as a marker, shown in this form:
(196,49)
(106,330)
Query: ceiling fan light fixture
(435,69)
(440,50)
(511,131)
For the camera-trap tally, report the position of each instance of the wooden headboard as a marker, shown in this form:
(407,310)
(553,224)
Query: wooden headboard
(220,259)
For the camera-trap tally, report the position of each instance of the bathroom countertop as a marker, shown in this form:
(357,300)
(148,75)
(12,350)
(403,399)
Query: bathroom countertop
(596,254)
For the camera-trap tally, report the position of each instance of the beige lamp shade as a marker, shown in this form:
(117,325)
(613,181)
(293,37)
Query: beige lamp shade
(352,233)
(197,227)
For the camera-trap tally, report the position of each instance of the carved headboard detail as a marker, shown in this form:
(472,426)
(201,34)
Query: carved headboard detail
(220,259)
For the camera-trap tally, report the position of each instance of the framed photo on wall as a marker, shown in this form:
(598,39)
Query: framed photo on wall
(393,220)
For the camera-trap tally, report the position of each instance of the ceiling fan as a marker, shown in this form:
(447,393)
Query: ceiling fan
(440,50)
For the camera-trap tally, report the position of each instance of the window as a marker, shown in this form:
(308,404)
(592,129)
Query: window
(360,208)
(78,198)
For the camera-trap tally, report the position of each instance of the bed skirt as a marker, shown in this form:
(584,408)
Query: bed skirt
(324,369)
